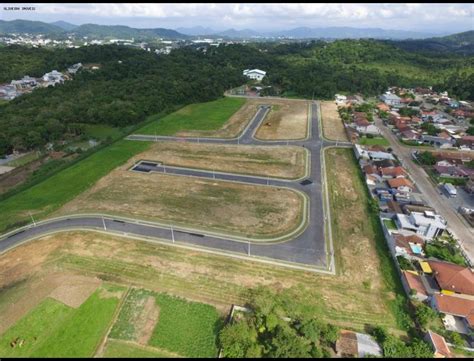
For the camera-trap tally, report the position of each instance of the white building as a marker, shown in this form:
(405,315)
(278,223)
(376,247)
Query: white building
(390,99)
(74,68)
(255,74)
(427,224)
(53,78)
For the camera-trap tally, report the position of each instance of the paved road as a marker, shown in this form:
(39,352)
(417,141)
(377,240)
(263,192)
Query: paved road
(458,227)
(309,248)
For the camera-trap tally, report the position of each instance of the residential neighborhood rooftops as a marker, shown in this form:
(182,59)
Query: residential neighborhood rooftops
(393,171)
(414,282)
(453,277)
(457,306)
(439,344)
(400,182)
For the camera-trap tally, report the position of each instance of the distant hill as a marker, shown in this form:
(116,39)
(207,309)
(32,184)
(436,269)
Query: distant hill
(461,43)
(245,33)
(64,25)
(196,31)
(121,31)
(30,27)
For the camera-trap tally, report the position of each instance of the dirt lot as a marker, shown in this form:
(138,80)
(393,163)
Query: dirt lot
(237,208)
(282,162)
(288,119)
(233,127)
(333,128)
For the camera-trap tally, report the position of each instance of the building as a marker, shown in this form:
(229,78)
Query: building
(53,78)
(390,99)
(459,312)
(453,278)
(255,74)
(26,82)
(401,184)
(426,224)
(438,344)
(74,68)
(393,172)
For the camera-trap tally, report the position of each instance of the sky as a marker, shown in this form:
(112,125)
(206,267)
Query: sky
(429,18)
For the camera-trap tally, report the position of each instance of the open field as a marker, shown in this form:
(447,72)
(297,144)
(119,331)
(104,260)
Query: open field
(362,293)
(374,141)
(47,196)
(53,329)
(333,128)
(25,159)
(287,119)
(220,118)
(237,208)
(281,162)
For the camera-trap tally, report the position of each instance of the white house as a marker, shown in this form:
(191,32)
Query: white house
(390,99)
(53,78)
(255,74)
(427,224)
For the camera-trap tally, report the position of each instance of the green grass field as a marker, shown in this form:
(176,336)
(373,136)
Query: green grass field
(187,328)
(202,116)
(374,141)
(53,329)
(122,349)
(47,196)
(25,159)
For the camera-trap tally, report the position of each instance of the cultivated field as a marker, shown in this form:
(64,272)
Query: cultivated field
(362,293)
(236,208)
(281,162)
(333,128)
(224,117)
(288,119)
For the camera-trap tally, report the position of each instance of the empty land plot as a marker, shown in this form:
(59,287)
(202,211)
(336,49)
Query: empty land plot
(333,128)
(236,208)
(282,162)
(203,119)
(287,119)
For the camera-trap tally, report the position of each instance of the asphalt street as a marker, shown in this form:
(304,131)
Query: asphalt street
(308,248)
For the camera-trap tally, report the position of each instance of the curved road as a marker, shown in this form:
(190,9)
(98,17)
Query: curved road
(308,248)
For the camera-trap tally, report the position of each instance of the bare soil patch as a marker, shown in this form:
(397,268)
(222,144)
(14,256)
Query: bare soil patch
(75,290)
(333,127)
(282,161)
(147,320)
(288,119)
(233,127)
(238,208)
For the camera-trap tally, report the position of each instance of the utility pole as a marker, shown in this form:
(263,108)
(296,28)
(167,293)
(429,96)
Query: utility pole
(34,223)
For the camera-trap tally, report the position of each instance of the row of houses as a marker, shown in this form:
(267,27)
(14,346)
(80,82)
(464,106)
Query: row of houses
(27,84)
(410,225)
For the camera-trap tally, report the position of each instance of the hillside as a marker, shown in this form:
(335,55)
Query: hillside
(30,27)
(124,32)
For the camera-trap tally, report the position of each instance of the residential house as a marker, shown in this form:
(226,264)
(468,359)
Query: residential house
(409,135)
(393,172)
(412,281)
(458,158)
(8,92)
(401,184)
(459,312)
(53,78)
(26,82)
(453,278)
(467,141)
(438,344)
(383,107)
(407,245)
(390,99)
(74,68)
(438,141)
(384,163)
(255,74)
(354,344)
(426,224)
(453,171)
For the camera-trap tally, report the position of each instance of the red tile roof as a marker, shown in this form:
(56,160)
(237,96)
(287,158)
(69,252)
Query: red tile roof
(453,277)
(439,344)
(414,282)
(399,182)
(393,171)
(456,306)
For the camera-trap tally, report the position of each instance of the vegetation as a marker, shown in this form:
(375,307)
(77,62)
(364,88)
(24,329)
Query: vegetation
(405,264)
(445,251)
(276,329)
(203,116)
(394,347)
(121,349)
(426,158)
(187,328)
(374,141)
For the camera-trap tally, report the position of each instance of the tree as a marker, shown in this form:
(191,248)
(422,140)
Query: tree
(470,131)
(420,349)
(286,343)
(427,158)
(456,339)
(425,314)
(239,340)
(329,334)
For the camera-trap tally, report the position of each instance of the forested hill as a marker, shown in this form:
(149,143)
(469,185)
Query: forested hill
(125,93)
(30,27)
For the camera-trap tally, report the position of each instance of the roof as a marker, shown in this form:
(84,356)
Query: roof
(255,71)
(414,282)
(400,182)
(439,344)
(390,97)
(453,277)
(457,306)
(370,169)
(425,267)
(357,344)
(393,171)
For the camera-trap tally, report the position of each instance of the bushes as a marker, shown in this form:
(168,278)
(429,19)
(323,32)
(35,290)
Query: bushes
(394,347)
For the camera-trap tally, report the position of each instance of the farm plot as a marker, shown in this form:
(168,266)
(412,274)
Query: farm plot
(236,208)
(288,119)
(282,162)
(177,327)
(126,349)
(219,118)
(333,128)
(53,329)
